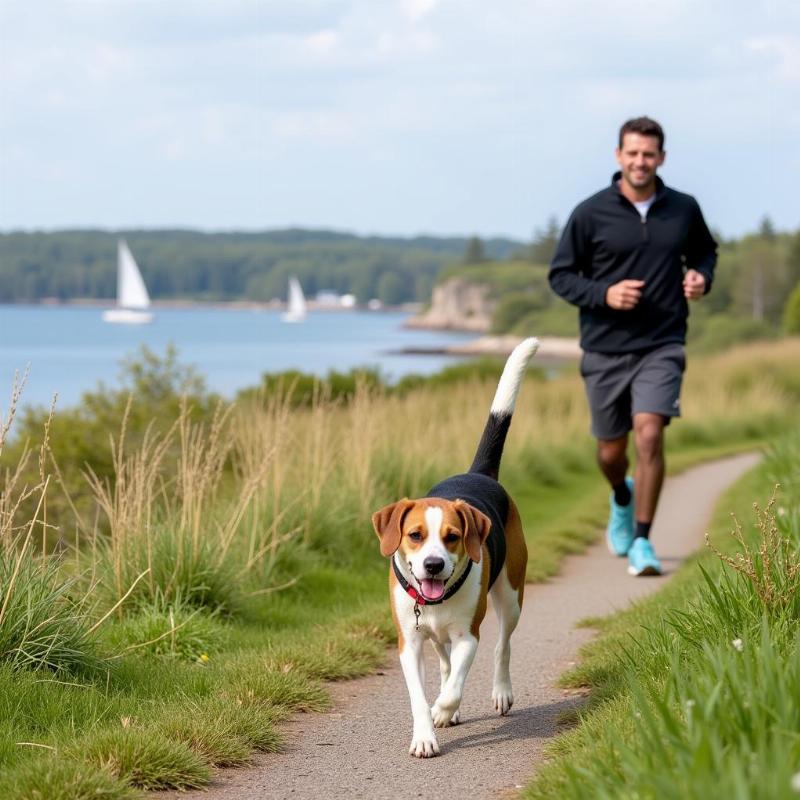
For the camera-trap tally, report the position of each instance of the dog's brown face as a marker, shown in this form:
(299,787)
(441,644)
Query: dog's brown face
(433,536)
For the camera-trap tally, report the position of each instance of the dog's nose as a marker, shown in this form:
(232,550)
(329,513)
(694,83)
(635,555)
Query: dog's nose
(433,565)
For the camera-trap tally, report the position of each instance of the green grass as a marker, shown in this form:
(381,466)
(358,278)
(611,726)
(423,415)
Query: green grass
(161,723)
(694,689)
(52,778)
(42,626)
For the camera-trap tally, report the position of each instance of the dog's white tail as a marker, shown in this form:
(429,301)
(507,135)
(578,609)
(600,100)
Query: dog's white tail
(505,397)
(490,448)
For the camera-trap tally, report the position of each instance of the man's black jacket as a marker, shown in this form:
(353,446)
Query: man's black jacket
(606,241)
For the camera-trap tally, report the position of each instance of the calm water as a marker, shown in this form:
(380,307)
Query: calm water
(71,349)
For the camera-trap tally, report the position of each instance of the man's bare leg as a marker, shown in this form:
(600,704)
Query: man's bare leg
(648,432)
(612,457)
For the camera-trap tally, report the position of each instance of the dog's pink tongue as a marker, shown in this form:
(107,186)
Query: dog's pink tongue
(432,589)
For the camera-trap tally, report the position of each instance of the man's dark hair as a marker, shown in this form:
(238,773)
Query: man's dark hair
(644,126)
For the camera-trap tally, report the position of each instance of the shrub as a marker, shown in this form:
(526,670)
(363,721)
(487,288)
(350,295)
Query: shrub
(300,389)
(720,331)
(791,312)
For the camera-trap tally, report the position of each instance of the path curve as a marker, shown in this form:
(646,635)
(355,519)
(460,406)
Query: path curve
(360,748)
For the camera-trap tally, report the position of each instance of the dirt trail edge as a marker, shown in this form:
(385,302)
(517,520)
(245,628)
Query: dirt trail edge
(360,748)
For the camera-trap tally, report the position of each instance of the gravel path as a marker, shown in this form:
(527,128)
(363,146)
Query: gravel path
(360,748)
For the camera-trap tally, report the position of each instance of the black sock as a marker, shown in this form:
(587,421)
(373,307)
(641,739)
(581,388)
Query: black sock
(643,529)
(622,494)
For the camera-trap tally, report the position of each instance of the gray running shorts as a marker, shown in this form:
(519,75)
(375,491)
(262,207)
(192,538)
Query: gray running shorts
(619,386)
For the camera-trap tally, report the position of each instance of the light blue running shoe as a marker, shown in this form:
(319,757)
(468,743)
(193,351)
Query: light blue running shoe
(621,528)
(642,558)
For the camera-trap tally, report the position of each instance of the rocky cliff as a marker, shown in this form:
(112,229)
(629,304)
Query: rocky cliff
(457,305)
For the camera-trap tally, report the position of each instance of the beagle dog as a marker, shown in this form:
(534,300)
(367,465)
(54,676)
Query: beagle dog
(449,550)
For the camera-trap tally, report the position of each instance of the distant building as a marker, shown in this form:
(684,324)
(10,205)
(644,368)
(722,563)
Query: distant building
(327,298)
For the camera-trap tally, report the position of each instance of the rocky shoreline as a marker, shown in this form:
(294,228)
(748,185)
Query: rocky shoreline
(554,348)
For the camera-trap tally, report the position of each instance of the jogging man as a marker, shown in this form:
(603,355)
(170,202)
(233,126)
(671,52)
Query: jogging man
(630,257)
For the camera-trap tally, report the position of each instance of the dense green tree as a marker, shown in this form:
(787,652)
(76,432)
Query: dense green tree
(545,241)
(475,252)
(791,312)
(793,259)
(762,276)
(391,290)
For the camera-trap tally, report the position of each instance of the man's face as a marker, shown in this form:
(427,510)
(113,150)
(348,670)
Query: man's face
(639,158)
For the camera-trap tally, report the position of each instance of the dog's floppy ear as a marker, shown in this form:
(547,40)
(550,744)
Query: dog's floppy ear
(388,524)
(476,528)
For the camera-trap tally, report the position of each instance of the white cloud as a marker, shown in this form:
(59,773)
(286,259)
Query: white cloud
(321,42)
(106,63)
(320,126)
(785,52)
(417,9)
(405,44)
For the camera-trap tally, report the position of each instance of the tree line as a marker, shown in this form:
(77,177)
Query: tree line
(756,276)
(182,264)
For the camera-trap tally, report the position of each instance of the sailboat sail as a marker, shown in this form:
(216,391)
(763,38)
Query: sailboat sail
(133,301)
(131,291)
(296,307)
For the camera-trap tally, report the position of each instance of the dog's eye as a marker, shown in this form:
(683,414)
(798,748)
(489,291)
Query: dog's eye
(450,538)
(415,536)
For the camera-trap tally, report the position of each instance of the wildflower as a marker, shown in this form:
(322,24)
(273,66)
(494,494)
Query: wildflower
(202,658)
(738,644)
(795,782)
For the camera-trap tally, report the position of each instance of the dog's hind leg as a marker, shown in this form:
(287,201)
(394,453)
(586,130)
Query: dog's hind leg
(443,651)
(506,605)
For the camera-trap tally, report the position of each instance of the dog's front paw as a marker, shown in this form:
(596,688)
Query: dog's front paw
(424,746)
(443,717)
(503,699)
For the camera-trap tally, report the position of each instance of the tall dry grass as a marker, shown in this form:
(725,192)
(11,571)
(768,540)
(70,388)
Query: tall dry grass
(170,523)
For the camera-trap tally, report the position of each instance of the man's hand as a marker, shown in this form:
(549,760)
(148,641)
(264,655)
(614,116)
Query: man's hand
(694,284)
(624,295)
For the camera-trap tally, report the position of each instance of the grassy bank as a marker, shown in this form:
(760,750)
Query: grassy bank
(165,607)
(694,690)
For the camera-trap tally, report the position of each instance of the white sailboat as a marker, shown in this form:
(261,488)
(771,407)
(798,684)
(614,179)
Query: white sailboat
(133,301)
(296,309)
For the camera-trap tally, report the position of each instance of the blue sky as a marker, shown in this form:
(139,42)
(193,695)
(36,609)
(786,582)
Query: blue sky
(387,116)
